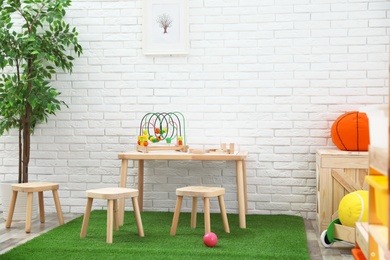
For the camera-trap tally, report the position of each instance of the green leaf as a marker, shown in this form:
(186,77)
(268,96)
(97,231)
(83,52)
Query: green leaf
(35,49)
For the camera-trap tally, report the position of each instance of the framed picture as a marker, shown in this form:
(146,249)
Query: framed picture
(165,27)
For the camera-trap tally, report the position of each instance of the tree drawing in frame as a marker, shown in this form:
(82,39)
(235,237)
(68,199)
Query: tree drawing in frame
(166,25)
(164,21)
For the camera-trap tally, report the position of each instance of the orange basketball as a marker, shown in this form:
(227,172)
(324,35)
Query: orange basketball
(350,132)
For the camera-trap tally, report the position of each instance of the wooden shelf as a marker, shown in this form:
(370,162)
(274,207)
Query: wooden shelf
(378,158)
(379,233)
(378,195)
(362,237)
(377,227)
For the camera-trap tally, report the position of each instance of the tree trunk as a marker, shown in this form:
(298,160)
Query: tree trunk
(20,153)
(26,143)
(26,123)
(26,151)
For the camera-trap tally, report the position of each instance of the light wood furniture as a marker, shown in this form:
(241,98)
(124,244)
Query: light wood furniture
(200,192)
(30,188)
(112,195)
(146,149)
(239,157)
(372,238)
(338,173)
(361,249)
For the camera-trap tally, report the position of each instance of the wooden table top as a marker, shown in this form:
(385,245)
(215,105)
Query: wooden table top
(174,155)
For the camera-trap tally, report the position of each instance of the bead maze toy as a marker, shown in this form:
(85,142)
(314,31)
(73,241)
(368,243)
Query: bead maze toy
(164,128)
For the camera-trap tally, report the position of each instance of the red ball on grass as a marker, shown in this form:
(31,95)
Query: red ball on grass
(210,239)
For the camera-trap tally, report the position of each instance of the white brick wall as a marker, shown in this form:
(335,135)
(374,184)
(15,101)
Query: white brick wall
(270,76)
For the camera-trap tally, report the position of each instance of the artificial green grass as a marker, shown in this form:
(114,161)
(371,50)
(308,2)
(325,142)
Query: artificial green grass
(266,237)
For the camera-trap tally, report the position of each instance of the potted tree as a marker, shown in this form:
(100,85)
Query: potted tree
(35,44)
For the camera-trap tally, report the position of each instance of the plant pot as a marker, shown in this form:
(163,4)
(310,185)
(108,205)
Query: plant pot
(21,202)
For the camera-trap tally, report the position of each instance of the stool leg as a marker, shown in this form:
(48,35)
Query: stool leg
(87,213)
(193,212)
(58,207)
(11,209)
(137,216)
(223,214)
(110,216)
(207,227)
(29,211)
(41,207)
(176,215)
(116,223)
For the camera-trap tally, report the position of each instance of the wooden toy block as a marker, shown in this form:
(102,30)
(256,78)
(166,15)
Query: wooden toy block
(196,151)
(223,149)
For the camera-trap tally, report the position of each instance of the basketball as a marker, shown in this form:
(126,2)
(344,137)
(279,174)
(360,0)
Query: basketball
(350,132)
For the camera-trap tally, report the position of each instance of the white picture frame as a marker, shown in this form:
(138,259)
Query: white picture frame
(165,27)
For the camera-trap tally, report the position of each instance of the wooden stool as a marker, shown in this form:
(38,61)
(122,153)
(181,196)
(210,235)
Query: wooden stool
(205,193)
(31,187)
(112,195)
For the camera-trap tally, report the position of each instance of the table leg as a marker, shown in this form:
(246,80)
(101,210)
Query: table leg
(122,184)
(141,184)
(245,188)
(241,193)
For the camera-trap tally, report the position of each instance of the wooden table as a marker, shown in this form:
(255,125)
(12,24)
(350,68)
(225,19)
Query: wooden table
(239,157)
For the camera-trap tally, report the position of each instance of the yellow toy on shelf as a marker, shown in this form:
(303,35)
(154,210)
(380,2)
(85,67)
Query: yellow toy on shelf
(353,208)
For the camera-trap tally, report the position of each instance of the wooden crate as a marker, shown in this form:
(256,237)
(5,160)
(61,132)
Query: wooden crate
(338,173)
